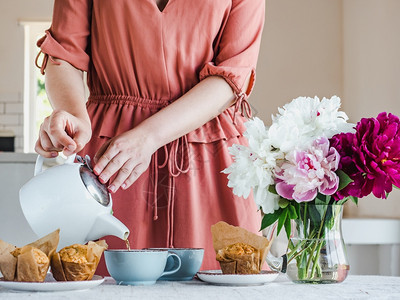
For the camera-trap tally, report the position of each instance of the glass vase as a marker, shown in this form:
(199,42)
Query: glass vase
(316,251)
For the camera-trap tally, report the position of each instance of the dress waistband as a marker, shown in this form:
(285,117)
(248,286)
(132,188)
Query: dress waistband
(130,100)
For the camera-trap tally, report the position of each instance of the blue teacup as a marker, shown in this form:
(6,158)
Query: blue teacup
(191,260)
(140,267)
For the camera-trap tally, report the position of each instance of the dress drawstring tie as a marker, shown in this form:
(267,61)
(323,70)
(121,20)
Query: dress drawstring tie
(242,106)
(43,65)
(177,159)
(157,166)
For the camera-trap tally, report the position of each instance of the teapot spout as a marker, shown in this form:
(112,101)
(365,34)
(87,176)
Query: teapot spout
(107,224)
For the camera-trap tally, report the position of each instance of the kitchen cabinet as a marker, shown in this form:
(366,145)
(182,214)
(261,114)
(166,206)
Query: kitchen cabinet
(15,170)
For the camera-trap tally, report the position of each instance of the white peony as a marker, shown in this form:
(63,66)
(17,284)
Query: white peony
(253,166)
(266,200)
(305,119)
(242,172)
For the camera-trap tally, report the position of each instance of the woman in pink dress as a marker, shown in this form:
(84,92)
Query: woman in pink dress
(168,83)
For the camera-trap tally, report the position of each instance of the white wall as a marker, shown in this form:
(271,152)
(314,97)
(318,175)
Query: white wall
(301,53)
(371,77)
(371,57)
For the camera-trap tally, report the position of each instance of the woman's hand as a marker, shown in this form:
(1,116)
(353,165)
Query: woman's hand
(62,131)
(127,155)
(68,128)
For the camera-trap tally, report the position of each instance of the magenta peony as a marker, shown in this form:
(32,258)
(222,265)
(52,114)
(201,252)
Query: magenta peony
(371,156)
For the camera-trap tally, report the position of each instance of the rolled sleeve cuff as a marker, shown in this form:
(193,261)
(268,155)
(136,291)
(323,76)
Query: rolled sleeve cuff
(234,76)
(76,57)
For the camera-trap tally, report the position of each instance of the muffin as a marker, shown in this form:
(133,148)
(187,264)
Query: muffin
(29,263)
(239,258)
(239,251)
(32,264)
(77,262)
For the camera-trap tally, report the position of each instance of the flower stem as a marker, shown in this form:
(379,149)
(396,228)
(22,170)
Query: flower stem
(299,245)
(314,256)
(304,220)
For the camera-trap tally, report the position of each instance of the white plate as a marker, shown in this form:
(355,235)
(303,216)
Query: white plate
(216,277)
(51,285)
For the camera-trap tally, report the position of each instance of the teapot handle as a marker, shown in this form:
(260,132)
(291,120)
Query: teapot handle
(40,160)
(278,264)
(38,165)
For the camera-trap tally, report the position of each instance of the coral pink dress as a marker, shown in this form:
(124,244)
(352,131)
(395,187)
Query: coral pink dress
(140,59)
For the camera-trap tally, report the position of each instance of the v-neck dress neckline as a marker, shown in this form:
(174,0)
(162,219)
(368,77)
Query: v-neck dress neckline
(161,9)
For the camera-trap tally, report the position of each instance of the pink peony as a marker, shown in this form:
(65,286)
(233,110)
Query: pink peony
(308,172)
(371,156)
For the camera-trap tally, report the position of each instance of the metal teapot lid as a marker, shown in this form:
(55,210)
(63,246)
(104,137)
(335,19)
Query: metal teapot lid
(95,188)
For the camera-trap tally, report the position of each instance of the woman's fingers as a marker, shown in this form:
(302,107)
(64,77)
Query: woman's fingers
(126,157)
(44,145)
(45,150)
(80,139)
(133,176)
(62,131)
(126,172)
(97,170)
(108,163)
(53,135)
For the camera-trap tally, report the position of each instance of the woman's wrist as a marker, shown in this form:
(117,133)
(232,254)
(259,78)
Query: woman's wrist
(147,137)
(202,103)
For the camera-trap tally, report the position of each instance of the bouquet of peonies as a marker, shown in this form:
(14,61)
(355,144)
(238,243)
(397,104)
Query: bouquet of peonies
(304,167)
(310,154)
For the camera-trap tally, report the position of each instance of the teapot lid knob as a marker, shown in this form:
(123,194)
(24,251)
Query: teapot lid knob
(98,190)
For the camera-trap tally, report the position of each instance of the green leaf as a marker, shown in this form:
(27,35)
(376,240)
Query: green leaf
(272,189)
(329,219)
(315,212)
(344,179)
(292,212)
(341,202)
(288,227)
(322,199)
(396,187)
(283,202)
(354,199)
(270,219)
(297,207)
(322,209)
(282,220)
(330,222)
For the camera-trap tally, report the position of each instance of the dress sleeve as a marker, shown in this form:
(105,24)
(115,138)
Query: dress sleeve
(239,45)
(68,36)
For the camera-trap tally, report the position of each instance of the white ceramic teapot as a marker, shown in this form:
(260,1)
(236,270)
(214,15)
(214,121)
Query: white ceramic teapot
(69,197)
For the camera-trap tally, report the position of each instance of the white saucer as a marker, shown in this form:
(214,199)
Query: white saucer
(51,285)
(216,277)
